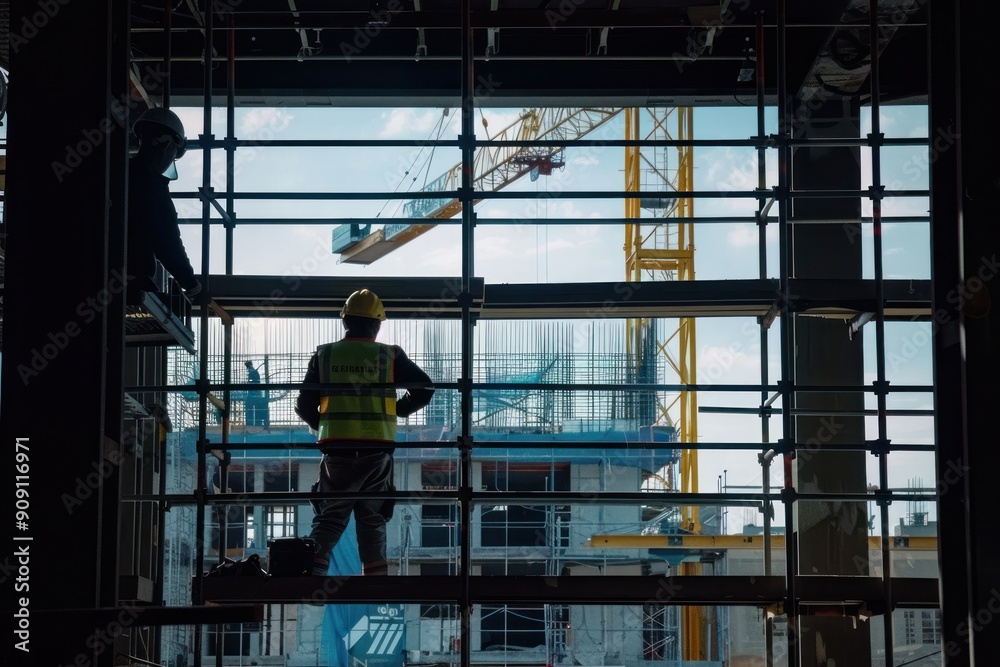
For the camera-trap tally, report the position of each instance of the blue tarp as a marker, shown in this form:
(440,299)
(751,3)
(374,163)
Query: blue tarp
(374,634)
(340,618)
(640,453)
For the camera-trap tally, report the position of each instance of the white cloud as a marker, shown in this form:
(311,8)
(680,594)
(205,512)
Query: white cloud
(567,209)
(743,236)
(256,121)
(730,170)
(310,233)
(405,121)
(191,118)
(493,209)
(443,261)
(887,122)
(559,244)
(727,364)
(493,247)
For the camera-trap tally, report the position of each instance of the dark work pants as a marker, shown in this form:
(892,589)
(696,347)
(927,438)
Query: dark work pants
(346,474)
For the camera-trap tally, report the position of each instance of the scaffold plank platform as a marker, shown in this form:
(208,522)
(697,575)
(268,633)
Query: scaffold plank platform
(422,298)
(671,590)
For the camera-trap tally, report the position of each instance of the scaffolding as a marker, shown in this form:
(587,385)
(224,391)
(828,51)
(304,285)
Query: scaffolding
(491,392)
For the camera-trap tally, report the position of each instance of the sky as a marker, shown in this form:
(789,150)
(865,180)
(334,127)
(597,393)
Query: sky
(727,349)
(564,253)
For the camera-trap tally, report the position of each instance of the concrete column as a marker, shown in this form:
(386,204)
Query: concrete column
(831,536)
(62,360)
(965,181)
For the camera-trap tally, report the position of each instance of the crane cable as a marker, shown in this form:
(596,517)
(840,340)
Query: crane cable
(425,167)
(438,128)
(544,203)
(486,125)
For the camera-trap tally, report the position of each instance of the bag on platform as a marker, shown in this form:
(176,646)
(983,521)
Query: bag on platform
(291,556)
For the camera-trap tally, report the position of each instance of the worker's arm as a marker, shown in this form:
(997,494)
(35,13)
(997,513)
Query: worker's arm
(307,403)
(413,399)
(169,247)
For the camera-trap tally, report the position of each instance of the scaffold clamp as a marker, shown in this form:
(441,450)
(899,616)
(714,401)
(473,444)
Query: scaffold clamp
(784,446)
(883,498)
(879,446)
(881,387)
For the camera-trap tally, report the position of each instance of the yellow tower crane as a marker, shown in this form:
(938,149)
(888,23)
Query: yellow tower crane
(658,247)
(661,247)
(494,168)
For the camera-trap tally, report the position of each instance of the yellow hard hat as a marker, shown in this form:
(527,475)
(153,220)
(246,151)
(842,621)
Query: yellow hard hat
(364,303)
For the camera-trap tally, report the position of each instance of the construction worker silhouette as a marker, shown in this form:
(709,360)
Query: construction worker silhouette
(357,427)
(256,404)
(153,233)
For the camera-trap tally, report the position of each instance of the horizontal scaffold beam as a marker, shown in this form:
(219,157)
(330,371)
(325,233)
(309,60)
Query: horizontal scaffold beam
(586,589)
(421,298)
(726,542)
(323,296)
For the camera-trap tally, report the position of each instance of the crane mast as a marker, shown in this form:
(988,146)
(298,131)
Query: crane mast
(660,246)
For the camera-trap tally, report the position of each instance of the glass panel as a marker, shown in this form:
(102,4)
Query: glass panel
(906,251)
(898,121)
(904,167)
(916,639)
(907,353)
(856,548)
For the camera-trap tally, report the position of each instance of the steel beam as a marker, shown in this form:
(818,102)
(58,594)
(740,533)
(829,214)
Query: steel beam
(141,616)
(309,296)
(637,590)
(302,296)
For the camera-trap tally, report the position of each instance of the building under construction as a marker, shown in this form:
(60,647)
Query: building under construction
(593,445)
(570,496)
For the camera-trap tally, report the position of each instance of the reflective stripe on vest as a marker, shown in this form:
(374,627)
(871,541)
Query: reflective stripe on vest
(357,414)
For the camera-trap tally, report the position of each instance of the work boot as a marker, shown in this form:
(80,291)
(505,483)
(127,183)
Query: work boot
(321,566)
(377,569)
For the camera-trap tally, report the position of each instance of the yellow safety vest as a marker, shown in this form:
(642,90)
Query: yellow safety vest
(358,413)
